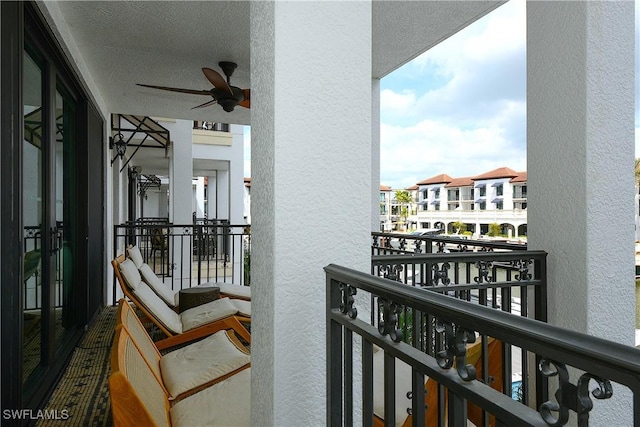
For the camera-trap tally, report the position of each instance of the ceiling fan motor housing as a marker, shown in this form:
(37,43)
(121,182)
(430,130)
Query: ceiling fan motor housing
(226,100)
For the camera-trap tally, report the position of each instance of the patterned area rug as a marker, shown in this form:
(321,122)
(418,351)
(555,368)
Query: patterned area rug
(83,390)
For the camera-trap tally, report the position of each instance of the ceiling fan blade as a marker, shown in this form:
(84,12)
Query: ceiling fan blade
(246,102)
(175,89)
(216,79)
(206,104)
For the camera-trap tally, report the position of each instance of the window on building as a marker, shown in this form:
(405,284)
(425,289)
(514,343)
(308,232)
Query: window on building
(436,193)
(425,194)
(500,205)
(382,197)
(524,205)
(483,191)
(437,206)
(499,189)
(524,191)
(483,206)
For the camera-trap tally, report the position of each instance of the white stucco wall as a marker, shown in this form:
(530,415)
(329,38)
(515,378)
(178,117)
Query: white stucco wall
(580,119)
(301,148)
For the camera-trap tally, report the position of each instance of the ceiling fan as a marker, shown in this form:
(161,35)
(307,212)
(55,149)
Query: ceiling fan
(227,96)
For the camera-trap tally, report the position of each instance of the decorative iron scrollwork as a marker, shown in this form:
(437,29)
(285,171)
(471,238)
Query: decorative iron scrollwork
(523,269)
(388,319)
(417,246)
(441,247)
(375,241)
(441,274)
(346,306)
(456,340)
(570,396)
(391,271)
(402,243)
(485,249)
(483,272)
(462,247)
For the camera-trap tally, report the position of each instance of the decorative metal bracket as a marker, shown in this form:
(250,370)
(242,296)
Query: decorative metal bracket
(441,274)
(388,319)
(456,340)
(483,272)
(570,396)
(346,306)
(523,269)
(391,271)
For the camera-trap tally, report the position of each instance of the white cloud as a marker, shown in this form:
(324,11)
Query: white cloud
(430,148)
(393,103)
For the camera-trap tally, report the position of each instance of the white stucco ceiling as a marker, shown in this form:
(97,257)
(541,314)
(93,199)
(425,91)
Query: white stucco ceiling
(168,42)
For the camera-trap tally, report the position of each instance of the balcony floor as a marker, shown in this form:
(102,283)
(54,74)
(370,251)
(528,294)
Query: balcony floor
(83,390)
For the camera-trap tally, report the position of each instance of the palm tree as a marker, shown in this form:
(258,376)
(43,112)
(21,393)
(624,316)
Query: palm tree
(403,198)
(637,170)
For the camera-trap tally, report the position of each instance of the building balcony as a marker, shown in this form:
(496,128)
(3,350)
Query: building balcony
(480,309)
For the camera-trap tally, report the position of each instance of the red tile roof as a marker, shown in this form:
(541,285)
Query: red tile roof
(497,173)
(522,177)
(461,182)
(443,178)
(412,188)
(385,188)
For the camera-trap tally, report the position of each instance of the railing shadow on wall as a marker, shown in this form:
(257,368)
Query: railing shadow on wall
(455,395)
(190,254)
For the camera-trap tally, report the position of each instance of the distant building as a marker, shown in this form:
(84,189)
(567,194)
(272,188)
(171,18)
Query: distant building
(498,196)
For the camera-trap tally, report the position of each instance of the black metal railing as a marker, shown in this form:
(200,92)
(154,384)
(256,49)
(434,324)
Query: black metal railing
(402,243)
(32,266)
(186,255)
(457,395)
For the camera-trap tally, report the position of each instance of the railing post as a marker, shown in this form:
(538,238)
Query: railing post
(334,358)
(540,310)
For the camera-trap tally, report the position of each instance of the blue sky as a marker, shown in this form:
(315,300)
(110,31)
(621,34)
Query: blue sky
(460,108)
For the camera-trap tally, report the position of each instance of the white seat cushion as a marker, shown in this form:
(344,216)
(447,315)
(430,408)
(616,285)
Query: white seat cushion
(135,255)
(402,387)
(243,307)
(200,363)
(161,311)
(168,295)
(227,403)
(207,313)
(235,290)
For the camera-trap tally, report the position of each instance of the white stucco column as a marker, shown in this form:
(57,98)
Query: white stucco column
(181,173)
(211,196)
(236,177)
(580,139)
(222,193)
(199,201)
(311,191)
(181,188)
(375,154)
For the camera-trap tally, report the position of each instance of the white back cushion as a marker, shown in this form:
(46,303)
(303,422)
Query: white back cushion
(130,273)
(163,291)
(135,255)
(158,308)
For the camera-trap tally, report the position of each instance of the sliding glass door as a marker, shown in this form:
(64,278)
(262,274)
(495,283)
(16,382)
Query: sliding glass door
(49,215)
